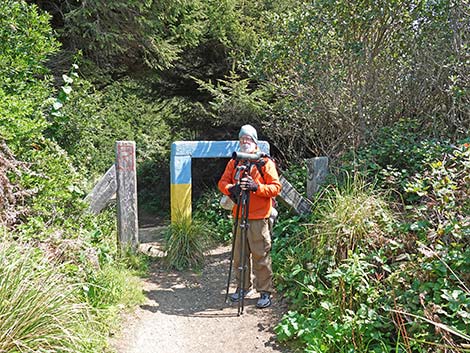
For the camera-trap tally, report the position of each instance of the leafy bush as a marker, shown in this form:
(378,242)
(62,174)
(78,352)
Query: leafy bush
(93,120)
(26,41)
(289,254)
(354,287)
(43,308)
(349,315)
(432,291)
(297,176)
(218,220)
(25,96)
(337,302)
(441,191)
(397,153)
(435,283)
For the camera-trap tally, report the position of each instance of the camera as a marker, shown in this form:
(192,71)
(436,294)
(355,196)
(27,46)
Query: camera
(238,156)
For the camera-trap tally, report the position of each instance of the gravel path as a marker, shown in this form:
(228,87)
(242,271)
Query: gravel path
(185,312)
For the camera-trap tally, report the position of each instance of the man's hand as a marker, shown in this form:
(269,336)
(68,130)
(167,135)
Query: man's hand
(235,191)
(247,183)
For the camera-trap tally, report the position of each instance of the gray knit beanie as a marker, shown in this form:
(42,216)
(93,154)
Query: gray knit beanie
(250,131)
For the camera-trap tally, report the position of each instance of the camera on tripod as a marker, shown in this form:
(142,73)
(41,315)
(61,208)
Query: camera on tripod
(240,156)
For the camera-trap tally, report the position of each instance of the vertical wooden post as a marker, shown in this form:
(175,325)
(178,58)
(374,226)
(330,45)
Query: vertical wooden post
(126,181)
(317,170)
(180,190)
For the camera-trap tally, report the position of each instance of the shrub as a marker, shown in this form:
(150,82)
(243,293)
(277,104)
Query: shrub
(25,95)
(355,287)
(185,242)
(348,315)
(297,176)
(441,193)
(397,153)
(349,217)
(328,268)
(216,219)
(93,120)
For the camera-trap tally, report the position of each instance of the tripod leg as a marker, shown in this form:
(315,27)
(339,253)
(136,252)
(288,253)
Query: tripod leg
(243,265)
(241,274)
(235,226)
(242,271)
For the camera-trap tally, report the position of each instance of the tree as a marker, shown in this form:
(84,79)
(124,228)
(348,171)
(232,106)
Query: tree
(342,69)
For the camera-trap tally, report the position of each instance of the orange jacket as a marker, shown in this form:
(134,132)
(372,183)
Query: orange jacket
(268,186)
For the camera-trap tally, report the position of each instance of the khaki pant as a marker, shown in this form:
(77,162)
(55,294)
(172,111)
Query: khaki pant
(258,245)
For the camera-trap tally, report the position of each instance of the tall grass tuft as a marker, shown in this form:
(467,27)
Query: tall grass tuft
(348,216)
(39,311)
(111,286)
(186,241)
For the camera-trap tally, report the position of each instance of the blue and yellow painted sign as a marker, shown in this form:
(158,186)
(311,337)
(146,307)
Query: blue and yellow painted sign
(180,169)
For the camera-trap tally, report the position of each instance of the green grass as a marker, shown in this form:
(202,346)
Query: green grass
(112,286)
(44,310)
(186,241)
(39,309)
(350,215)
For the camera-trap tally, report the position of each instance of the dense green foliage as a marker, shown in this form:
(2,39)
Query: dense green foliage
(216,220)
(362,276)
(380,87)
(343,69)
(63,251)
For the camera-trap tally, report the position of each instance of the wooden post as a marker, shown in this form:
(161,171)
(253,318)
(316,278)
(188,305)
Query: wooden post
(126,181)
(103,191)
(317,170)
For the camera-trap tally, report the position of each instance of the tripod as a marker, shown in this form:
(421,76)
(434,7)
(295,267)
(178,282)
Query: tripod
(243,206)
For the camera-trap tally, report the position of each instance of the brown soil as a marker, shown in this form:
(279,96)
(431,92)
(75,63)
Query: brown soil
(185,312)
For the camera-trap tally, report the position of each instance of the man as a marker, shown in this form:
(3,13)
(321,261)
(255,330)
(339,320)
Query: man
(262,182)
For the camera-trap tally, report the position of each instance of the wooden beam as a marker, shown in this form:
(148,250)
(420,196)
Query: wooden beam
(103,191)
(293,199)
(182,153)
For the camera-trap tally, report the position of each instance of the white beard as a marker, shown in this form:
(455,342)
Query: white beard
(248,147)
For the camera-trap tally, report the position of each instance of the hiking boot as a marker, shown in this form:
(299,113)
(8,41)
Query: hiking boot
(234,296)
(264,300)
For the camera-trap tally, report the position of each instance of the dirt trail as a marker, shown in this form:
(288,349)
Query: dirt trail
(185,312)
